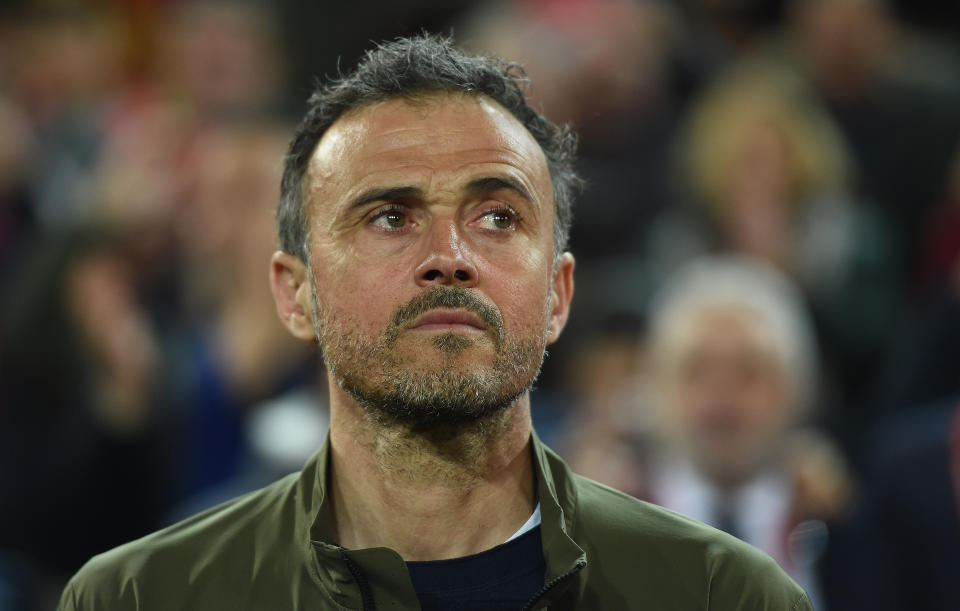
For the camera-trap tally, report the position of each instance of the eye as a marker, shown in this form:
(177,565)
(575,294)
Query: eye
(499,219)
(390,219)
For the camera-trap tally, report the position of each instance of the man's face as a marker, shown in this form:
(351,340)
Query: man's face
(431,255)
(727,391)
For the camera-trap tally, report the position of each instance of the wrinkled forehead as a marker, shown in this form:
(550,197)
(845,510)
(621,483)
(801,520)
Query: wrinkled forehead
(440,134)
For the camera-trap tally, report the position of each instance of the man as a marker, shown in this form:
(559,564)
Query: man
(423,217)
(735,367)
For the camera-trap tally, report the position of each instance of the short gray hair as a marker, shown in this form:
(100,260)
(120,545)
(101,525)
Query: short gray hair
(740,281)
(409,68)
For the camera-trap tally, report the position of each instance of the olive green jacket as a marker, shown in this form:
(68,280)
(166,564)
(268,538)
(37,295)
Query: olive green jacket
(273,550)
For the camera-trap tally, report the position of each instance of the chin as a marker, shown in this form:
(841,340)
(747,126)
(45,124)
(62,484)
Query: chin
(448,351)
(452,401)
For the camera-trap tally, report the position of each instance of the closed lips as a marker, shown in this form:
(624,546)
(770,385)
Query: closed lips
(448,318)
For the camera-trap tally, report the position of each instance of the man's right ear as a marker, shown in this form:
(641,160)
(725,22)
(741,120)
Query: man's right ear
(290,284)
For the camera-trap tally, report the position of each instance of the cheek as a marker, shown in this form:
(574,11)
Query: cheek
(521,296)
(685,399)
(359,295)
(768,403)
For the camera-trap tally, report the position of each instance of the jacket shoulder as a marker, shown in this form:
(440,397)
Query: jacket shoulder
(636,542)
(215,545)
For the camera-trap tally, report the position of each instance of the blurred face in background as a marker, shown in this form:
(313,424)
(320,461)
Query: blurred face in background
(758,194)
(844,42)
(62,62)
(725,391)
(235,177)
(221,56)
(580,48)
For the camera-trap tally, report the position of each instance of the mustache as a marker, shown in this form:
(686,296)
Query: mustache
(445,297)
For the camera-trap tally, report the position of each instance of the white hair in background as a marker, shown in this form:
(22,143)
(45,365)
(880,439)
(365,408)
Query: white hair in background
(722,281)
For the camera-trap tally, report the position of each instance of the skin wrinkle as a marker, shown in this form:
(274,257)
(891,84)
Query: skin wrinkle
(499,84)
(351,215)
(335,143)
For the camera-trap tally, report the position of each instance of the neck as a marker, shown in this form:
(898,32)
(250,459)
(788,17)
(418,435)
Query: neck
(429,495)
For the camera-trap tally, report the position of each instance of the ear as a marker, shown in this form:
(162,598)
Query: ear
(562,293)
(292,293)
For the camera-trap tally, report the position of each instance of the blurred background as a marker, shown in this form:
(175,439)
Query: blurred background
(766,328)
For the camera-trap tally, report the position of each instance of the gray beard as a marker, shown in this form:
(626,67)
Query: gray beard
(444,397)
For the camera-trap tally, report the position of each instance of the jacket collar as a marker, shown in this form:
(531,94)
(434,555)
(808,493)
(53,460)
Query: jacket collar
(384,570)
(558,506)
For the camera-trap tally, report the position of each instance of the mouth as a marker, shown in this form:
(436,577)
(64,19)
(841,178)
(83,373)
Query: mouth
(447,320)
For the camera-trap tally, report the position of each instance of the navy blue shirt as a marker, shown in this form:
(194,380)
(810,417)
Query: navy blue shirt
(504,577)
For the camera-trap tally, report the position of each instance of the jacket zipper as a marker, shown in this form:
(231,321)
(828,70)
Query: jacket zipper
(366,596)
(553,582)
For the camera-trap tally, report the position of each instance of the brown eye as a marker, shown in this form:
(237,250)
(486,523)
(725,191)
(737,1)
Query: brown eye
(395,220)
(499,220)
(390,220)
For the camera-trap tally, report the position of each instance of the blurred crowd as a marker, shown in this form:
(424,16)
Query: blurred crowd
(766,329)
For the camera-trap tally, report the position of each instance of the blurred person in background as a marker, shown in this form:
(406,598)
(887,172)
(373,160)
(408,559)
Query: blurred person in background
(894,93)
(734,366)
(113,96)
(906,554)
(212,62)
(234,354)
(921,368)
(941,237)
(82,450)
(606,433)
(185,162)
(119,357)
(66,65)
(906,549)
(221,59)
(721,32)
(764,173)
(17,156)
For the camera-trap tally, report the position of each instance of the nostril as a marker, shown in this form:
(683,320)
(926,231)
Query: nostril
(461,275)
(433,274)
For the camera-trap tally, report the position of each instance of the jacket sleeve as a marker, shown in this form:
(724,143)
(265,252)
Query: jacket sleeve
(745,579)
(68,600)
(802,604)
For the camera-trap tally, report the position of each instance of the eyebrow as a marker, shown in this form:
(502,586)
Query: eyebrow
(385,194)
(495,183)
(477,185)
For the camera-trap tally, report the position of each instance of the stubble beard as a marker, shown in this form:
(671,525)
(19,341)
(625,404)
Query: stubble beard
(444,397)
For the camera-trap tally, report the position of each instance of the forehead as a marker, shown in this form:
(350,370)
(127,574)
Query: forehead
(439,136)
(727,326)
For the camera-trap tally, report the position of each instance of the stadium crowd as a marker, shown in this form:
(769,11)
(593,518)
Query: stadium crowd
(766,327)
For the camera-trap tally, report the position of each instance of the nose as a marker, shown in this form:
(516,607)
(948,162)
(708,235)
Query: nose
(448,260)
